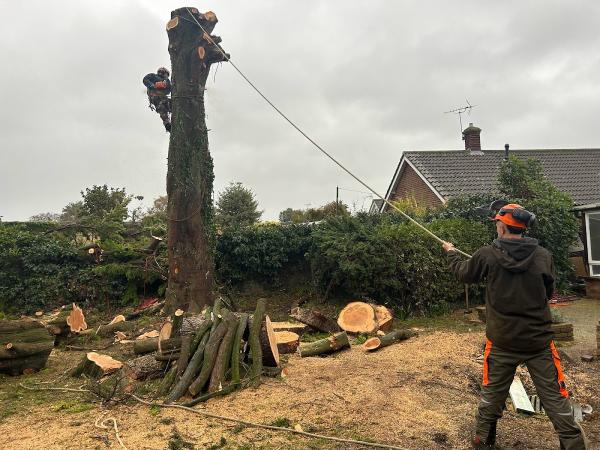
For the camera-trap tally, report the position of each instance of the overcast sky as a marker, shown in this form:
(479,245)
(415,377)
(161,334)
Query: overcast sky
(366,79)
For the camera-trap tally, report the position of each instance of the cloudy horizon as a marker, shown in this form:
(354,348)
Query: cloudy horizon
(366,80)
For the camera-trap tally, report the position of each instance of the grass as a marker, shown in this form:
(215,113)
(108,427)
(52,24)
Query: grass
(282,422)
(72,406)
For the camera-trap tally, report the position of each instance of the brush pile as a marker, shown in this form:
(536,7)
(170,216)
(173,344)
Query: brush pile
(208,355)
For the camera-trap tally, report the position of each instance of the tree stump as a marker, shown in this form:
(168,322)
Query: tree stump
(190,166)
(68,321)
(331,344)
(315,319)
(24,346)
(358,317)
(377,342)
(95,365)
(287,341)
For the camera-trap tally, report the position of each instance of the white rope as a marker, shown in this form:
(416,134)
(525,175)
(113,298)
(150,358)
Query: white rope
(287,119)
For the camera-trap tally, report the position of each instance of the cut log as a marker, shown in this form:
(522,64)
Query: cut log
(210,354)
(111,328)
(223,359)
(358,317)
(76,320)
(148,334)
(190,324)
(151,345)
(237,348)
(315,319)
(193,366)
(117,319)
(287,341)
(254,342)
(331,344)
(182,362)
(95,365)
(154,308)
(168,381)
(384,317)
(172,23)
(298,328)
(268,344)
(24,346)
(144,368)
(383,341)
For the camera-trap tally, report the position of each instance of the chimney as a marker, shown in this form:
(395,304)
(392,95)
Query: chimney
(471,136)
(506,147)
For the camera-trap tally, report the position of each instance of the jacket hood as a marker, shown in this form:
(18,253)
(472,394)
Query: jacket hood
(516,255)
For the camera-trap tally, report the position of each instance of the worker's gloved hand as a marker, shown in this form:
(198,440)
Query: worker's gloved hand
(448,247)
(160,84)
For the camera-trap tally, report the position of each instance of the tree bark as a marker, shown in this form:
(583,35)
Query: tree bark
(331,344)
(24,346)
(254,341)
(151,345)
(210,354)
(377,342)
(236,350)
(315,319)
(109,329)
(223,358)
(145,368)
(190,174)
(184,357)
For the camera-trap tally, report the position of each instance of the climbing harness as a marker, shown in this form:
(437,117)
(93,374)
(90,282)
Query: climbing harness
(308,138)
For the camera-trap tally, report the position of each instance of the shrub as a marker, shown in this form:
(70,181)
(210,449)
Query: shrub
(390,260)
(36,270)
(260,252)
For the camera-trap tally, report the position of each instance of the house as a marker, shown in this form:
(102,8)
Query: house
(431,178)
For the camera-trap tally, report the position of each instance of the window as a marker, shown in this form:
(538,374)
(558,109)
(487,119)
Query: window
(592,221)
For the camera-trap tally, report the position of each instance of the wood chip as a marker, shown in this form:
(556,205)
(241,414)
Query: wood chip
(148,335)
(117,319)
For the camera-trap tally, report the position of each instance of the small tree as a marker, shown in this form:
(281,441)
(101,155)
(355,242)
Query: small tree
(45,217)
(330,209)
(237,207)
(523,181)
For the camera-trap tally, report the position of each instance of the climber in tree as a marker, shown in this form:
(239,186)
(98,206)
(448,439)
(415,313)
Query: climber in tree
(159,88)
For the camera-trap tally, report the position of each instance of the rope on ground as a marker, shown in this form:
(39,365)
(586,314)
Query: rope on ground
(103,425)
(309,139)
(267,427)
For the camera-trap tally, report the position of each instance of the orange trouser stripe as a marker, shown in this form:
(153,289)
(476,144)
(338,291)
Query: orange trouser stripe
(486,354)
(559,372)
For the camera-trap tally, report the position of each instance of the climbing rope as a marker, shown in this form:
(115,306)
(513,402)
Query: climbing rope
(315,144)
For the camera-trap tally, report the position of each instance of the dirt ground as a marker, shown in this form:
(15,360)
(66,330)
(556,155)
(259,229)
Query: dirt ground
(418,394)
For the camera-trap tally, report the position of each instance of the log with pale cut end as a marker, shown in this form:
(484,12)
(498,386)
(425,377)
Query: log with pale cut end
(315,319)
(358,317)
(172,23)
(331,344)
(145,367)
(148,335)
(95,365)
(223,359)
(111,328)
(76,320)
(384,317)
(375,343)
(298,328)
(287,341)
(268,344)
(117,319)
(151,345)
(24,346)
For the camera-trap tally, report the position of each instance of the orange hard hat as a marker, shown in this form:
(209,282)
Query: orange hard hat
(505,215)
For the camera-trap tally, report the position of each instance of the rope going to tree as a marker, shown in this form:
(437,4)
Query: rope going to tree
(315,144)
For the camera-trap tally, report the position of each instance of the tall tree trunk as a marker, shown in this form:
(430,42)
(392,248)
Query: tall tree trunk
(190,169)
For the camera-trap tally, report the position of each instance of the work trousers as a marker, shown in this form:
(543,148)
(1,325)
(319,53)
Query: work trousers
(544,366)
(162,105)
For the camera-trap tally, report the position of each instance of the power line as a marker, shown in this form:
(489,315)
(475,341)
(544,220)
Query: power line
(309,139)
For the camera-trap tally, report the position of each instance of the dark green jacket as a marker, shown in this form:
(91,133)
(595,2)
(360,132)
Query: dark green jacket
(519,276)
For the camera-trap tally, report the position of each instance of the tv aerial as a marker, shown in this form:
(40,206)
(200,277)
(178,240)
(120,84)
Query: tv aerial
(460,111)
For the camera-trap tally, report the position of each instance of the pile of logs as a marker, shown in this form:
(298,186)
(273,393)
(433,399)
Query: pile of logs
(200,356)
(24,346)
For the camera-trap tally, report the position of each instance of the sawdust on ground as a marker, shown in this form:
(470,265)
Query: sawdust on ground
(418,394)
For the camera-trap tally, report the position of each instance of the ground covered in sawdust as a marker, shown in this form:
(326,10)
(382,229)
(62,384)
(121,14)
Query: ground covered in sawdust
(418,394)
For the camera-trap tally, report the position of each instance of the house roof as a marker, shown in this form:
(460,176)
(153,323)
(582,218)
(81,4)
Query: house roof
(456,173)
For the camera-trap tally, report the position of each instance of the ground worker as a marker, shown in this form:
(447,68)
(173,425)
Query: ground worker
(159,88)
(519,276)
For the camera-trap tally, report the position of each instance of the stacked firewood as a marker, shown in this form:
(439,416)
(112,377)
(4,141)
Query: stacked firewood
(207,355)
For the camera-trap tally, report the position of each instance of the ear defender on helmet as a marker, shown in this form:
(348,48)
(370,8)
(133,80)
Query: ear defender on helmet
(511,214)
(522,215)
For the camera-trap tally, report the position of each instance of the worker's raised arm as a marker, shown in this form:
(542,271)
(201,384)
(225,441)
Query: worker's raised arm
(472,270)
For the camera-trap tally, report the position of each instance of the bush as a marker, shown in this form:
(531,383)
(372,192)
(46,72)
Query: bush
(391,261)
(260,252)
(36,270)
(523,182)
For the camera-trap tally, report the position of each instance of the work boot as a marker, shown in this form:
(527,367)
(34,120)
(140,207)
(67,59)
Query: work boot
(481,444)
(168,126)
